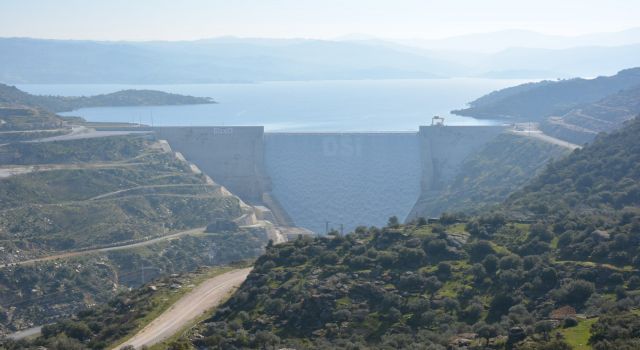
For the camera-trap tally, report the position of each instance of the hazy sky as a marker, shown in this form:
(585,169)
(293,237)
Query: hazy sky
(194,19)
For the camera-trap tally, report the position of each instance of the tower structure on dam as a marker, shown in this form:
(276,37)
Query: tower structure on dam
(442,151)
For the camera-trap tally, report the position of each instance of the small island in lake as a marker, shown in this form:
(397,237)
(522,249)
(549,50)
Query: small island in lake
(13,96)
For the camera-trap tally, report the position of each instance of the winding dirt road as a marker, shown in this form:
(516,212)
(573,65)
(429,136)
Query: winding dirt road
(195,231)
(207,295)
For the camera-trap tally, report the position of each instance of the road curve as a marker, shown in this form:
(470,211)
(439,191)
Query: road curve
(205,296)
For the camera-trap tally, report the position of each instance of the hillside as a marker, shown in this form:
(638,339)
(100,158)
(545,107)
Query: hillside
(12,96)
(583,123)
(61,198)
(489,176)
(603,176)
(525,284)
(536,101)
(101,191)
(19,123)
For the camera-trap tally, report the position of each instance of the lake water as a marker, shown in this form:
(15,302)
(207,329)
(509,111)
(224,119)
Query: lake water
(353,105)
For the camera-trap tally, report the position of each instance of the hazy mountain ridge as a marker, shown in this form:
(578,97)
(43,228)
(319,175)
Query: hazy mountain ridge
(231,59)
(500,40)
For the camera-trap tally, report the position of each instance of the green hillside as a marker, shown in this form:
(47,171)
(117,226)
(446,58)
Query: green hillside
(490,175)
(488,279)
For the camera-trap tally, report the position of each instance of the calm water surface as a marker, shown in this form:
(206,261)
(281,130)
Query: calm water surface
(354,105)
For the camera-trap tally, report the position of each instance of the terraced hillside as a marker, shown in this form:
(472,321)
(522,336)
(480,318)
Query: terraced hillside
(24,123)
(92,192)
(583,123)
(80,220)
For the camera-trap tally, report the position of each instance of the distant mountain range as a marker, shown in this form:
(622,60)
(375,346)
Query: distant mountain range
(508,54)
(501,40)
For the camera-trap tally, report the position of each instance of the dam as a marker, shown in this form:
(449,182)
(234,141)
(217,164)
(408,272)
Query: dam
(322,181)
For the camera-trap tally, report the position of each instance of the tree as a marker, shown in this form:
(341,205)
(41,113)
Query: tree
(544,328)
(486,331)
(393,222)
(480,250)
(499,306)
(264,339)
(444,270)
(490,264)
(576,293)
(432,284)
(510,262)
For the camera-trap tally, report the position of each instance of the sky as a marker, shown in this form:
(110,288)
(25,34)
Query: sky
(323,19)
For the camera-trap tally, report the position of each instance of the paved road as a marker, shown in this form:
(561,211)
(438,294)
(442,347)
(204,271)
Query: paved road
(538,134)
(207,295)
(82,132)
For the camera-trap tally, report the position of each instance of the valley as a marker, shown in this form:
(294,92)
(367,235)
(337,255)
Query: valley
(229,237)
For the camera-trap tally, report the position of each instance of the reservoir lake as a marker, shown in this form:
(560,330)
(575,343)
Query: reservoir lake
(297,106)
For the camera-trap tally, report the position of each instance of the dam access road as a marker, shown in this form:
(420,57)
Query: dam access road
(207,295)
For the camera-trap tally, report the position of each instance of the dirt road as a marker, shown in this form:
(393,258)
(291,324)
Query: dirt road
(194,231)
(207,295)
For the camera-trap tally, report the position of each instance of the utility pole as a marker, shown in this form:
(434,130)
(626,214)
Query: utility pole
(326,227)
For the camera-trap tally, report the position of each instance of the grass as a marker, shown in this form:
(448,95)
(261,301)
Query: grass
(457,228)
(449,289)
(554,242)
(578,336)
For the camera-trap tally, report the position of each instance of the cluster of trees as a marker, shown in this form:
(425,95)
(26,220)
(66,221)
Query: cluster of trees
(568,239)
(620,331)
(600,178)
(403,285)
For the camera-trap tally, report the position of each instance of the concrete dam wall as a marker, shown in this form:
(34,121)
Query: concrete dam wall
(231,156)
(345,179)
(348,179)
